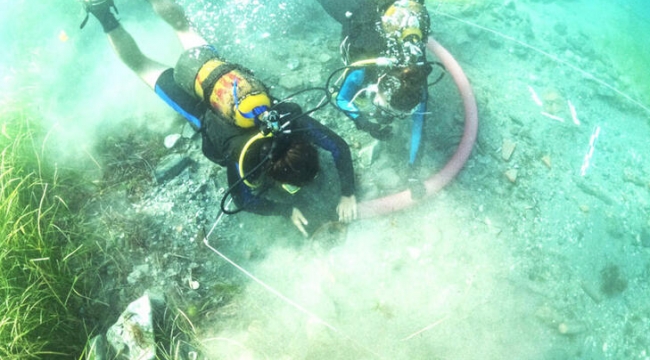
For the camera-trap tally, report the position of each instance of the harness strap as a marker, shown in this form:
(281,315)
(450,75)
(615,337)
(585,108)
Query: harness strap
(218,73)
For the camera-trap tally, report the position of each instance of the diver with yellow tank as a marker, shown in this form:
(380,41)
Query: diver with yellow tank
(263,143)
(383,47)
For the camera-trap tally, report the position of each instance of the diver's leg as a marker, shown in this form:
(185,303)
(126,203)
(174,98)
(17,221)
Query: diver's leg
(417,125)
(337,9)
(128,51)
(123,43)
(159,77)
(174,15)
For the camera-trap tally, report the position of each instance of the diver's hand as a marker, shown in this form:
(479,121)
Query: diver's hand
(298,219)
(347,208)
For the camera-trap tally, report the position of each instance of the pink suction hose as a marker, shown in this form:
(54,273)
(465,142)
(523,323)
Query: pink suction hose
(437,181)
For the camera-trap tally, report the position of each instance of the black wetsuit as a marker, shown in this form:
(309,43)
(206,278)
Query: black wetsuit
(231,140)
(361,28)
(362,40)
(222,142)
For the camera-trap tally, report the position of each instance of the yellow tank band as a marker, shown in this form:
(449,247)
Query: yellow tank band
(412,31)
(203,73)
(242,156)
(390,11)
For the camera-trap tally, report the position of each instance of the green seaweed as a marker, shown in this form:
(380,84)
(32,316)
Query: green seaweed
(41,264)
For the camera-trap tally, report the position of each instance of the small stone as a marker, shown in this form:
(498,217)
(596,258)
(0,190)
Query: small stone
(511,175)
(491,228)
(133,333)
(560,28)
(572,328)
(552,100)
(644,238)
(170,167)
(188,131)
(138,273)
(171,140)
(323,58)
(369,153)
(495,44)
(293,64)
(507,149)
(291,82)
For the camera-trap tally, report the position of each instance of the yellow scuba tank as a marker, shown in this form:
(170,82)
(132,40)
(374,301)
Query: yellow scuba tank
(232,91)
(405,19)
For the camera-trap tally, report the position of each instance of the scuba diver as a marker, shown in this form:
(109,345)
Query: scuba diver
(383,47)
(264,143)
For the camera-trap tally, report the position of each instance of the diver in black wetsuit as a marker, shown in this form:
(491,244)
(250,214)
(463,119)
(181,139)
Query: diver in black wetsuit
(264,144)
(373,31)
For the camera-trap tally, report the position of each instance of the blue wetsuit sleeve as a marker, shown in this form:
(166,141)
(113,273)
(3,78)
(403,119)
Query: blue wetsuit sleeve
(351,85)
(323,137)
(246,200)
(416,128)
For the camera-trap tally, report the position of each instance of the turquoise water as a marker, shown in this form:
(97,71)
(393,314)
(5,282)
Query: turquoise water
(552,265)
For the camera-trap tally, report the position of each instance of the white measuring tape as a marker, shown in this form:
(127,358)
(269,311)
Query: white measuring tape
(590,153)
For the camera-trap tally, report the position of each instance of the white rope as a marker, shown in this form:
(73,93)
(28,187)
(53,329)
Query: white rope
(278,293)
(216,222)
(269,288)
(550,56)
